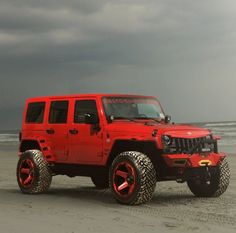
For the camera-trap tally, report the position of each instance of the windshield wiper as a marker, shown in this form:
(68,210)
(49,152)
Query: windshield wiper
(148,118)
(124,118)
(133,119)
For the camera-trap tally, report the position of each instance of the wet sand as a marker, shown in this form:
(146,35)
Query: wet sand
(75,205)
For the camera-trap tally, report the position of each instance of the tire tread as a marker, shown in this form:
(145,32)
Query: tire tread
(147,175)
(44,177)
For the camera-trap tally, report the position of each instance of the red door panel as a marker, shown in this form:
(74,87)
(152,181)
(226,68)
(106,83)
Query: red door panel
(85,139)
(57,129)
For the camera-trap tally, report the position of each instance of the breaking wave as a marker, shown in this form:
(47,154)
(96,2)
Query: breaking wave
(9,138)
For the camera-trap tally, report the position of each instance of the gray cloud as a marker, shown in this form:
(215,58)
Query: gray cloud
(182,51)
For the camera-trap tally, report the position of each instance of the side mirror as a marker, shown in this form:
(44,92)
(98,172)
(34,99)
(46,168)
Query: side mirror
(91,119)
(167,119)
(110,118)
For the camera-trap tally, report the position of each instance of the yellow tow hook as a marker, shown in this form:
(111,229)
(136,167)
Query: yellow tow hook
(204,162)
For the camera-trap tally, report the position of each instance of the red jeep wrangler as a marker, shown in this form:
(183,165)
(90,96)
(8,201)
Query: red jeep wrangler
(122,141)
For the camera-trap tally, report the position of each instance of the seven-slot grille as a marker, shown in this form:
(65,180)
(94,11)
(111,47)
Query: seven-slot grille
(190,146)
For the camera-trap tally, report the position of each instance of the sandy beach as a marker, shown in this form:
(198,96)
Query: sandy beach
(75,205)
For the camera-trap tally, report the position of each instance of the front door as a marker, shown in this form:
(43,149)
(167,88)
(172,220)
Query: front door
(57,129)
(85,139)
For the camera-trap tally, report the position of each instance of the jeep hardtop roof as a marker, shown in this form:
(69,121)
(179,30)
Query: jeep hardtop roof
(100,95)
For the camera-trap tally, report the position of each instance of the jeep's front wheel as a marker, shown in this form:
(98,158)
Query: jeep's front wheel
(216,185)
(33,173)
(132,178)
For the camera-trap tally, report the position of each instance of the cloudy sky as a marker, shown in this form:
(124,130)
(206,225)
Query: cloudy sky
(183,51)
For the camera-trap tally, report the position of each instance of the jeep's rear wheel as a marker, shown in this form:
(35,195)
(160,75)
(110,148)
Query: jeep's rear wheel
(215,186)
(33,173)
(132,178)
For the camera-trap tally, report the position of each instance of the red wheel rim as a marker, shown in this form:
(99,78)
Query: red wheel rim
(26,173)
(124,179)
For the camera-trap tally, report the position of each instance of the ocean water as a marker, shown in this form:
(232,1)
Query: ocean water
(226,130)
(9,137)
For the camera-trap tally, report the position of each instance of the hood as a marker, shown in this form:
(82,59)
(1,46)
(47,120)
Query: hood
(185,131)
(173,130)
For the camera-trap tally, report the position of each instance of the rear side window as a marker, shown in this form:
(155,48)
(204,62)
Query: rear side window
(83,107)
(35,112)
(58,112)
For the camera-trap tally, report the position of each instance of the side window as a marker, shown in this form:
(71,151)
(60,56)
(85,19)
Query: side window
(83,107)
(35,112)
(58,112)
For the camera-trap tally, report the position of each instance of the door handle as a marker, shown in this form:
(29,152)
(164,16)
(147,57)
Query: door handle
(50,131)
(73,131)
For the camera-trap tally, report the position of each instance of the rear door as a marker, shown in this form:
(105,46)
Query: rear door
(85,139)
(57,129)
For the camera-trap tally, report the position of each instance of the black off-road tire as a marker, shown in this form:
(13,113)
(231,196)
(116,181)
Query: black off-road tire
(100,181)
(42,175)
(219,182)
(145,176)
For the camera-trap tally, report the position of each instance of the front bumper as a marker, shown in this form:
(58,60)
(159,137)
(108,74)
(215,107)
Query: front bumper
(194,160)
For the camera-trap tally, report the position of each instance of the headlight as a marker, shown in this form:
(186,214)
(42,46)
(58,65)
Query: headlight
(166,140)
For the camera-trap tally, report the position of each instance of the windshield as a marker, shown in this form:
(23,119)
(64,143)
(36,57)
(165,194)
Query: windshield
(132,108)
